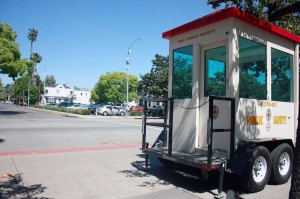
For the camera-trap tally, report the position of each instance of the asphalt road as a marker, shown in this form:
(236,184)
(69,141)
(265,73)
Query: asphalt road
(29,129)
(61,156)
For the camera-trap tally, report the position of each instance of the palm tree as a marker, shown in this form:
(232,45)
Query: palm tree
(32,35)
(36,58)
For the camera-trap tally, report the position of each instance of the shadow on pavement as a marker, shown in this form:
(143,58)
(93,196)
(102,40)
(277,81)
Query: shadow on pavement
(184,177)
(1,140)
(13,187)
(11,112)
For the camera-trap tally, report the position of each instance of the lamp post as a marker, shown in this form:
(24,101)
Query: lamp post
(44,101)
(127,68)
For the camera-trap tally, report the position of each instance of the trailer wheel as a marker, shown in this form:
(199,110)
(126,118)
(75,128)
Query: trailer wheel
(282,163)
(257,173)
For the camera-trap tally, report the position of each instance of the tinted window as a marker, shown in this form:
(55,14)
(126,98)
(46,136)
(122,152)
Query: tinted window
(252,63)
(215,72)
(182,72)
(282,82)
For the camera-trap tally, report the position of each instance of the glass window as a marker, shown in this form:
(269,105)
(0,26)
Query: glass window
(252,69)
(182,72)
(282,84)
(215,72)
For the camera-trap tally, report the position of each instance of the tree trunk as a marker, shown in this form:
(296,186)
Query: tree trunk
(295,183)
(39,91)
(23,98)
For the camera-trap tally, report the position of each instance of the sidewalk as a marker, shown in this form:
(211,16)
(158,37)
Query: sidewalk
(93,174)
(108,173)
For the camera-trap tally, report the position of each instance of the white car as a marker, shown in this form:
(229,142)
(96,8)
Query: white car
(110,110)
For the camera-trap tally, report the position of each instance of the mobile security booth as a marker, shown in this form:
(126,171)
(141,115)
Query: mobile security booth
(233,98)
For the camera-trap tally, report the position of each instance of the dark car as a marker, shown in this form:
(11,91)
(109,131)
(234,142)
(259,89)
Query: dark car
(93,108)
(155,111)
(65,104)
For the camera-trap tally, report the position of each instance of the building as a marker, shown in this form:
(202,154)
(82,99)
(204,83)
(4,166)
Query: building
(61,93)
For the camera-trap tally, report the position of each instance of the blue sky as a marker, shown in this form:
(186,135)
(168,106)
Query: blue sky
(80,40)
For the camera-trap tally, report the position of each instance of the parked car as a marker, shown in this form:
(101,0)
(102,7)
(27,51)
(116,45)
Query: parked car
(156,107)
(74,106)
(155,111)
(85,106)
(65,104)
(111,110)
(137,108)
(94,107)
(51,104)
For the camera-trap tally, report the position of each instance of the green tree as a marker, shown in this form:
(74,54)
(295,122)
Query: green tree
(282,13)
(3,94)
(32,35)
(34,57)
(50,80)
(19,88)
(112,88)
(285,14)
(155,83)
(10,56)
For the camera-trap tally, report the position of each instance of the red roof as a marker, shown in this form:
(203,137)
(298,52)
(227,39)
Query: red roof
(227,13)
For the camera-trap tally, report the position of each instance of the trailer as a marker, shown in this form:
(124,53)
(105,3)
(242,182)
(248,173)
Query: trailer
(232,101)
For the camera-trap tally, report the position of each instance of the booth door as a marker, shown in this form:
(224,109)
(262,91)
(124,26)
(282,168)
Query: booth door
(214,59)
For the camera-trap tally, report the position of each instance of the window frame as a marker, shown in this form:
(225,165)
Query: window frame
(265,70)
(291,68)
(206,75)
(189,93)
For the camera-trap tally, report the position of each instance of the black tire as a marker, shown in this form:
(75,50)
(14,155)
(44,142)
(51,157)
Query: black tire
(105,113)
(122,113)
(282,164)
(258,171)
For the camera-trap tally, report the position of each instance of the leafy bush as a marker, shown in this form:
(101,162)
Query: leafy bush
(135,113)
(65,110)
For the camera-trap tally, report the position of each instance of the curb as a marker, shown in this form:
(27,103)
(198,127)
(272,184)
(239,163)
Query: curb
(91,116)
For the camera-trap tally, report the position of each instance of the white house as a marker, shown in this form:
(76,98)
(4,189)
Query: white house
(82,97)
(60,93)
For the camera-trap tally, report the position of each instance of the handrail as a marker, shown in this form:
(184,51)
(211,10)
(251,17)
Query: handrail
(166,124)
(211,130)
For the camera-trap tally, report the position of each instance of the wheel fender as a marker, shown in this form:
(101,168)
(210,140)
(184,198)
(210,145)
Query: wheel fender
(239,161)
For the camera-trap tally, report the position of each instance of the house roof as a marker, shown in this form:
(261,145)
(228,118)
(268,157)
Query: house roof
(235,13)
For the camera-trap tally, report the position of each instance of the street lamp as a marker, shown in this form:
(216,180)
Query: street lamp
(127,68)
